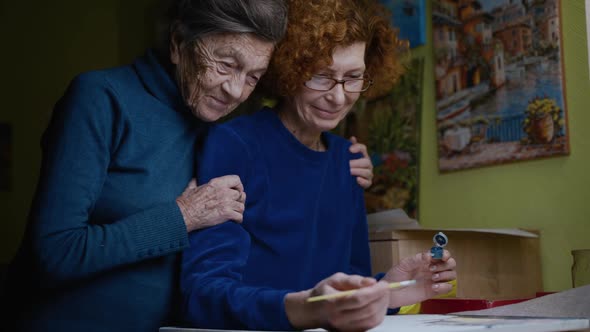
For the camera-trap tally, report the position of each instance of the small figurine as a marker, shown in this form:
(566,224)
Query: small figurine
(440,241)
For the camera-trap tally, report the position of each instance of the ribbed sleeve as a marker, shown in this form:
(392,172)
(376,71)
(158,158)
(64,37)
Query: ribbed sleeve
(159,230)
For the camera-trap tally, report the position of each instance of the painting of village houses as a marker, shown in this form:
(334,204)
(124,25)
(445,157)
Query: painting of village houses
(500,93)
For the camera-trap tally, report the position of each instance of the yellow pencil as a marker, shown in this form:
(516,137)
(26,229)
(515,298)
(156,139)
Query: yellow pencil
(352,291)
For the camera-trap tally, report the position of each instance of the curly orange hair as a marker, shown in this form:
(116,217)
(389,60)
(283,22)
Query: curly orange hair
(317,27)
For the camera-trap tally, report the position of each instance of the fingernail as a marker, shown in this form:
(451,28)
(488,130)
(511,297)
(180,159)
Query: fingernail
(435,286)
(432,267)
(435,276)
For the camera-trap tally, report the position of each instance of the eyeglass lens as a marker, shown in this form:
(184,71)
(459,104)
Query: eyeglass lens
(328,83)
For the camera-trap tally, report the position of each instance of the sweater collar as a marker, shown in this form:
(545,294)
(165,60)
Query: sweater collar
(155,73)
(296,146)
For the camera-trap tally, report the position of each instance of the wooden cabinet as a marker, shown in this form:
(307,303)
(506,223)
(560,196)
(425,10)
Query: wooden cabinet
(491,263)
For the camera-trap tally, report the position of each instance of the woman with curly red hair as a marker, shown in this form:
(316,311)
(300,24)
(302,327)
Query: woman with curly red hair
(304,231)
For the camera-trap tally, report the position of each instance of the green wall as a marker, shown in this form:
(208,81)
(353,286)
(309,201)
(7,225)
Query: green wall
(47,42)
(550,195)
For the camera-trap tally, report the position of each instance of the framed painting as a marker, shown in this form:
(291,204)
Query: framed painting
(5,157)
(410,17)
(390,127)
(500,93)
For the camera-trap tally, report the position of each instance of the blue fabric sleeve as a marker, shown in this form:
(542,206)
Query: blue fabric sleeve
(214,294)
(77,148)
(360,253)
(392,311)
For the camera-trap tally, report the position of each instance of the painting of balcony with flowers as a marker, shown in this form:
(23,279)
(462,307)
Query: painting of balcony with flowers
(500,93)
(389,126)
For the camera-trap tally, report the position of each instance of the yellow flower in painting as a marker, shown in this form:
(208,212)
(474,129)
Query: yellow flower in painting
(540,108)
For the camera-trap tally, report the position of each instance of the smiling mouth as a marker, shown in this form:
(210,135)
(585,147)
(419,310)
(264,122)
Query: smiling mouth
(322,110)
(218,103)
(327,113)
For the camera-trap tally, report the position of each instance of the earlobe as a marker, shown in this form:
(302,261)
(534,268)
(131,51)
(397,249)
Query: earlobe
(174,50)
(175,45)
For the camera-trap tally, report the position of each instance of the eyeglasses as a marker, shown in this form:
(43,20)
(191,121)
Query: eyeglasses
(324,83)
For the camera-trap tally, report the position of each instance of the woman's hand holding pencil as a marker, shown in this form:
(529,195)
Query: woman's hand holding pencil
(363,309)
(391,285)
(355,303)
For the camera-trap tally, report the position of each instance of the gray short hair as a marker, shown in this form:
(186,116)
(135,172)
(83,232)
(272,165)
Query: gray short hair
(193,19)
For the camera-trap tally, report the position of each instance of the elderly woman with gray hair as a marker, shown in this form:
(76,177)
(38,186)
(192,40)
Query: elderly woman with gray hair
(112,208)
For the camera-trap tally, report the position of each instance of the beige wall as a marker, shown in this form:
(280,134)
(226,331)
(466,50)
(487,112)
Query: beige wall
(45,43)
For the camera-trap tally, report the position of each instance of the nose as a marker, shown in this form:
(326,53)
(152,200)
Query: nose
(234,87)
(337,95)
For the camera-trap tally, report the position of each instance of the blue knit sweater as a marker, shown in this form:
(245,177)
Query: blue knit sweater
(304,221)
(99,252)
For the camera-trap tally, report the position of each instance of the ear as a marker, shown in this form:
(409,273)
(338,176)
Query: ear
(175,45)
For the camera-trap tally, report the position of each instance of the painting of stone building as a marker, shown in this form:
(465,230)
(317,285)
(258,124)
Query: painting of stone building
(499,82)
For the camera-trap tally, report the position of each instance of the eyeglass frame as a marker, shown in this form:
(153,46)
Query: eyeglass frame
(343,82)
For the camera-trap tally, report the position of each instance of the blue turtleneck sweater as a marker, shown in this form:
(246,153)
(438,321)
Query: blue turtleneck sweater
(100,250)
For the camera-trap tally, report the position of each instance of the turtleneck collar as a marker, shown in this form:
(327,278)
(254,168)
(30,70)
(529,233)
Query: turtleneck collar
(156,73)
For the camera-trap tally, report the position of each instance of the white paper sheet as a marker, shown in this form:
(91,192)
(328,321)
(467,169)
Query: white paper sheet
(451,323)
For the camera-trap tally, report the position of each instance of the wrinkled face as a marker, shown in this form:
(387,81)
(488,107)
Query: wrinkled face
(233,64)
(323,110)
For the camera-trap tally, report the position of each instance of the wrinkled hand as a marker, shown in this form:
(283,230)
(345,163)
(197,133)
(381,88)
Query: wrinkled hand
(360,311)
(219,200)
(362,168)
(432,276)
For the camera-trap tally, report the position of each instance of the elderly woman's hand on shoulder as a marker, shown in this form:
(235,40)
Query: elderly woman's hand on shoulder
(362,168)
(217,201)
